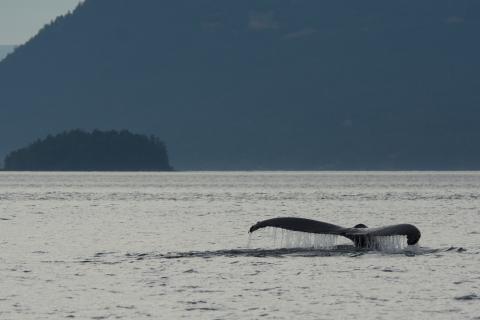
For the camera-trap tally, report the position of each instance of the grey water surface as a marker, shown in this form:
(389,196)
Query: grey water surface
(175,245)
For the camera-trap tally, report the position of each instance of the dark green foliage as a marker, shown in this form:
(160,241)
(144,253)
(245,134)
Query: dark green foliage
(78,150)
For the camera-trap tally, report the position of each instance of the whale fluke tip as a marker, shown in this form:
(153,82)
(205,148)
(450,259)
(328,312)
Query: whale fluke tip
(254,227)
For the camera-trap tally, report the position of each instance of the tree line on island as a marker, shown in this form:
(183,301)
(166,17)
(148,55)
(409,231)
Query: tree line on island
(78,150)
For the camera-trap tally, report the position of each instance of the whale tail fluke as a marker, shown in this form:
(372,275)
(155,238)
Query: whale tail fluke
(298,224)
(361,235)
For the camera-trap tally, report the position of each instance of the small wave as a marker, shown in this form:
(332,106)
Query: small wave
(460,249)
(339,250)
(234,253)
(472,296)
(111,258)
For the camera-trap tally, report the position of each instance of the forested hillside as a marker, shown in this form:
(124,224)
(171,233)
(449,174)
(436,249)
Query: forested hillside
(263,84)
(77,150)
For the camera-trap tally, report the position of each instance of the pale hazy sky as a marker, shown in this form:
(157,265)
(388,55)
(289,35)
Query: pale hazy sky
(21,19)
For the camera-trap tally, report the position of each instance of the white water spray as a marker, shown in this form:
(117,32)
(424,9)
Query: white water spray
(294,239)
(390,244)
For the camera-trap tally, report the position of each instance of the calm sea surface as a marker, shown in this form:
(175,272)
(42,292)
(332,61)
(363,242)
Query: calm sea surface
(175,245)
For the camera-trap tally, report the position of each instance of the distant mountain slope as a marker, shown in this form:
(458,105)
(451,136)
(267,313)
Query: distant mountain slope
(5,50)
(265,84)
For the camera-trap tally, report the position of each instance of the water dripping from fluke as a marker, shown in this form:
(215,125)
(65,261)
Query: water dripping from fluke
(323,234)
(286,239)
(293,239)
(249,241)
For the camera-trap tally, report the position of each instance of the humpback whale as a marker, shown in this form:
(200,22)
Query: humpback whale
(361,235)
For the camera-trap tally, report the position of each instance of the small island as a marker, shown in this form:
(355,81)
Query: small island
(78,150)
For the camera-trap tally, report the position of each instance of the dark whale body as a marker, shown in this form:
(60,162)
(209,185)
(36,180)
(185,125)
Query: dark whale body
(361,235)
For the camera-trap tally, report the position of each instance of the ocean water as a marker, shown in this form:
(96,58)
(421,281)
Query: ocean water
(175,245)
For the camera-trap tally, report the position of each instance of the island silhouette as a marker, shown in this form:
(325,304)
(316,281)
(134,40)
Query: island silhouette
(78,150)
